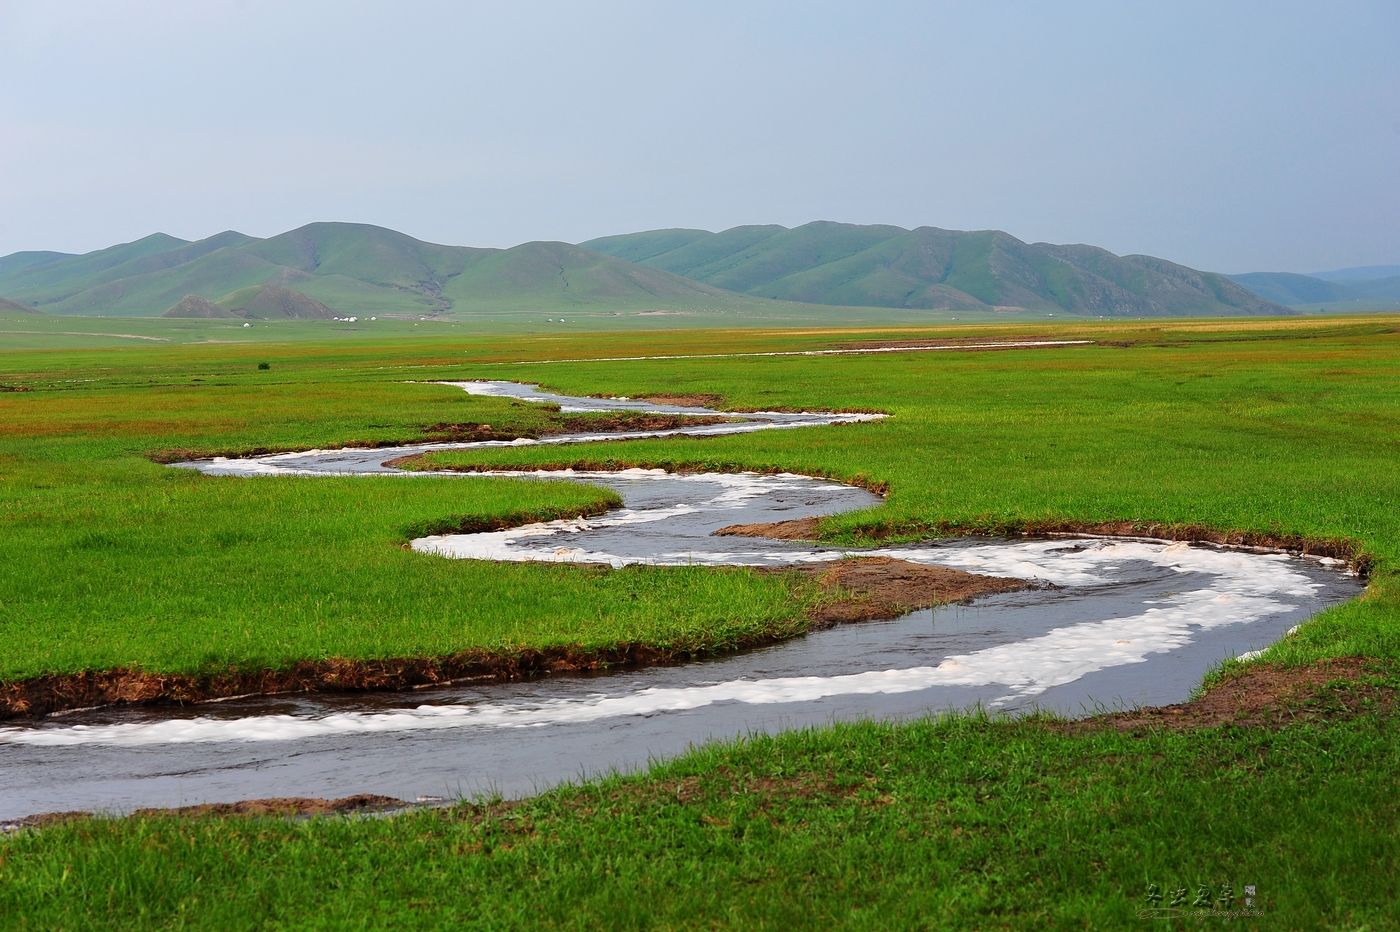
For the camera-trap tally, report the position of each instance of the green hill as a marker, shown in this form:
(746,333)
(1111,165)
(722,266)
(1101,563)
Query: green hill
(347,269)
(560,275)
(273,302)
(192,305)
(886,266)
(24,260)
(258,302)
(820,271)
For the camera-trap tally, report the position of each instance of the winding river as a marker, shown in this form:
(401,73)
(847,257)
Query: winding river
(1126,623)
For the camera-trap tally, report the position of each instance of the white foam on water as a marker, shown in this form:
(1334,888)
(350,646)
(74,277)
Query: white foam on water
(539,541)
(1244,588)
(296,463)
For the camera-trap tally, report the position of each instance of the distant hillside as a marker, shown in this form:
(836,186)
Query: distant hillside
(1288,288)
(13,307)
(192,305)
(259,302)
(1360,273)
(820,271)
(24,260)
(1344,289)
(351,268)
(886,266)
(273,302)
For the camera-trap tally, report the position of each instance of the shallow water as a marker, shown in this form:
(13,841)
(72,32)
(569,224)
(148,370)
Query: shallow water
(1130,623)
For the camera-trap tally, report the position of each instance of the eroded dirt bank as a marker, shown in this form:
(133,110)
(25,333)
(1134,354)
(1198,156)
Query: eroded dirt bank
(1267,696)
(288,806)
(883,587)
(851,590)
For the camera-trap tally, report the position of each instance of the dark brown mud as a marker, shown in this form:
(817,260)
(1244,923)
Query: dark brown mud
(1267,696)
(286,806)
(873,588)
(697,400)
(796,529)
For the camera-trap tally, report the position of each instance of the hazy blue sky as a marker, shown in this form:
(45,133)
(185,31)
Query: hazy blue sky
(1227,135)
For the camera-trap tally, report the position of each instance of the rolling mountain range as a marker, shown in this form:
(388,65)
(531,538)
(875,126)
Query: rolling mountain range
(350,268)
(885,266)
(1360,288)
(326,269)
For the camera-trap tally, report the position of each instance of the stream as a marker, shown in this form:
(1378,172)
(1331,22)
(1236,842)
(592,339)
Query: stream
(1123,623)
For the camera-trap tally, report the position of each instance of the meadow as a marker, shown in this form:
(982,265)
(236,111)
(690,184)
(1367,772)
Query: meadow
(1287,429)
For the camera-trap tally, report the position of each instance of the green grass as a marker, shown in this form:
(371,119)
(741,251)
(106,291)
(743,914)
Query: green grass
(1273,426)
(1235,434)
(109,560)
(885,266)
(958,823)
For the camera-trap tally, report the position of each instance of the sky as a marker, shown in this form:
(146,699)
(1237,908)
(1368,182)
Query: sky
(1229,135)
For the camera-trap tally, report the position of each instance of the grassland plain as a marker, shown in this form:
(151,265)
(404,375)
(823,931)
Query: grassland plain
(1289,429)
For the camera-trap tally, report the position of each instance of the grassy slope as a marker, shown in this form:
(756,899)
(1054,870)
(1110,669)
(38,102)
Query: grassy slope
(355,269)
(1286,427)
(841,263)
(66,275)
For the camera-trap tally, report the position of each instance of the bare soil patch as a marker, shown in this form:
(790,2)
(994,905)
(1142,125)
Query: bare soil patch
(698,400)
(637,420)
(287,806)
(882,587)
(1267,696)
(796,529)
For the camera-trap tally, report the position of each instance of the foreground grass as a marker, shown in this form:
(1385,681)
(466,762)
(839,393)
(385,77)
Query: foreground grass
(954,823)
(1282,428)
